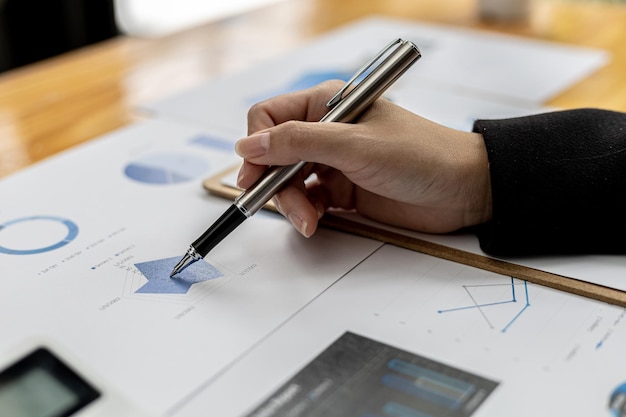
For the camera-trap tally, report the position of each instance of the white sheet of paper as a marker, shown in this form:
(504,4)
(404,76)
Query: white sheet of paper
(74,228)
(553,353)
(508,71)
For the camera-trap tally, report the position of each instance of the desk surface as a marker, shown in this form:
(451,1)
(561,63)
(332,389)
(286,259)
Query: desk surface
(52,105)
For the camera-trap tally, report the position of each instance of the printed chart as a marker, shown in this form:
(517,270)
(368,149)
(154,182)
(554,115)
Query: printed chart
(166,168)
(212,142)
(159,281)
(458,320)
(116,215)
(360,377)
(494,304)
(36,234)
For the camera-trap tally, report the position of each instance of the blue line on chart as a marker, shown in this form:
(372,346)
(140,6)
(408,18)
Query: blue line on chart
(601,342)
(480,307)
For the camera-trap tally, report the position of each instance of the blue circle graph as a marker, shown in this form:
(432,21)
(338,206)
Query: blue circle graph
(166,168)
(72,232)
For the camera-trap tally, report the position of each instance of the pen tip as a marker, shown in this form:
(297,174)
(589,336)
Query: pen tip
(188,259)
(178,268)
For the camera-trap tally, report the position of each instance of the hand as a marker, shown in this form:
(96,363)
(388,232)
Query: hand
(390,165)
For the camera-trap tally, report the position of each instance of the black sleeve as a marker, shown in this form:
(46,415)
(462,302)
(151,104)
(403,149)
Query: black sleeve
(558,183)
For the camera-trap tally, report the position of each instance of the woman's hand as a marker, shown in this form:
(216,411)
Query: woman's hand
(390,165)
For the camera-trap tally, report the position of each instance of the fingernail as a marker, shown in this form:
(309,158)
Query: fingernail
(276,202)
(253,146)
(240,178)
(319,207)
(298,223)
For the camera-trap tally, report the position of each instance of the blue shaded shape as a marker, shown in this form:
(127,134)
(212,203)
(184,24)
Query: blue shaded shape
(617,401)
(394,409)
(166,168)
(72,232)
(146,174)
(213,142)
(158,274)
(448,384)
(305,81)
(426,390)
(314,78)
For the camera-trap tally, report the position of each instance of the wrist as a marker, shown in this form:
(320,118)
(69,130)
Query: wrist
(476,176)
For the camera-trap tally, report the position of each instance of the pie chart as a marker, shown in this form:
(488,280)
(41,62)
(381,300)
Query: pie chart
(166,168)
(36,234)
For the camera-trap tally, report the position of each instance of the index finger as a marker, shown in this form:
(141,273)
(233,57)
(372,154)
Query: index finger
(304,105)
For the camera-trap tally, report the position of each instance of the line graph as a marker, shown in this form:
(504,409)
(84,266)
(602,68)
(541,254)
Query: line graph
(483,298)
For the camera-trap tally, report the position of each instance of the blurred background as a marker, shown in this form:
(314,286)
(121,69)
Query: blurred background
(108,58)
(161,17)
(32,30)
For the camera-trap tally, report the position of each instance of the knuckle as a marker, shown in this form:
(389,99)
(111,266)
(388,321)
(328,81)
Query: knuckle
(295,132)
(333,85)
(256,108)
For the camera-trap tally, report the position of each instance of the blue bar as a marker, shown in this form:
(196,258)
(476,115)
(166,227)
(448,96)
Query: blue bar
(393,409)
(454,386)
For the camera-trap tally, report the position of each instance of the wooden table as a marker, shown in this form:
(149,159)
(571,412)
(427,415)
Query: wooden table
(55,104)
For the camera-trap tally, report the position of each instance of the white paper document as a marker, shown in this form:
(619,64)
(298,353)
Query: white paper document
(550,353)
(87,242)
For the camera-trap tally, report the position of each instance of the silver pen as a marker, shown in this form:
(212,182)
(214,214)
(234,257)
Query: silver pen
(377,75)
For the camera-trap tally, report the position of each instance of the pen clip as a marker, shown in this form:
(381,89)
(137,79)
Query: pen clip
(340,94)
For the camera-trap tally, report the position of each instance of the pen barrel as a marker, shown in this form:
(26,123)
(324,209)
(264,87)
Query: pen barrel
(359,98)
(255,197)
(347,109)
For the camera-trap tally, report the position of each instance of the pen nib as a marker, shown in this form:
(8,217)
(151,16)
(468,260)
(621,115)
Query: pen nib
(190,257)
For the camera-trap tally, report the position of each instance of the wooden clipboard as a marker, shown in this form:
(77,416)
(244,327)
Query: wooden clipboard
(217,186)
